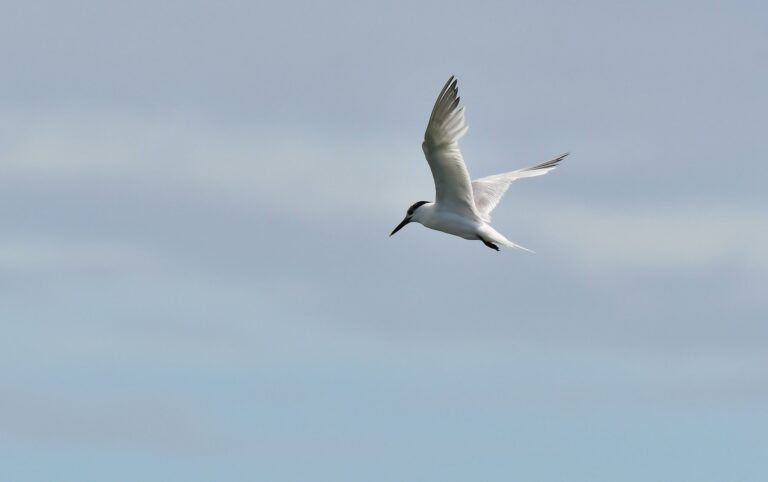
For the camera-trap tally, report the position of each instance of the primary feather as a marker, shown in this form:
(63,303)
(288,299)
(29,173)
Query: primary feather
(453,187)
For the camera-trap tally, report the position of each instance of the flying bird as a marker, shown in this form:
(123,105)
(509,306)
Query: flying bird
(462,207)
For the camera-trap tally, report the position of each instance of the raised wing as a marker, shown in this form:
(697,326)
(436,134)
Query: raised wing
(488,191)
(453,188)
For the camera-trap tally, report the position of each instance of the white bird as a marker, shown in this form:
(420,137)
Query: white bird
(462,207)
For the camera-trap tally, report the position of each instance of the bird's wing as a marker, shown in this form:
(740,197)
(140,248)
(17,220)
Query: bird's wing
(453,188)
(488,191)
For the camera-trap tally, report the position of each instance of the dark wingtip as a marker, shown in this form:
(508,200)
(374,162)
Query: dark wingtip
(548,164)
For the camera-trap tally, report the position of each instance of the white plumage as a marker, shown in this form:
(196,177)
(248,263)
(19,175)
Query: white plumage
(462,207)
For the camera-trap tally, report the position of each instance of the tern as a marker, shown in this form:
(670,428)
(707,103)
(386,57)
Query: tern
(462,207)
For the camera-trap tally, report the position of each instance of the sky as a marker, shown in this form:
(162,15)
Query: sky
(196,278)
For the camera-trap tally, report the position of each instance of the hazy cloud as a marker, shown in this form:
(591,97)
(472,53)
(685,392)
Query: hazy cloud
(196,279)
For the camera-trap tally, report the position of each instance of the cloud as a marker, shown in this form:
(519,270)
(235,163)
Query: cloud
(659,236)
(326,177)
(134,422)
(194,208)
(299,173)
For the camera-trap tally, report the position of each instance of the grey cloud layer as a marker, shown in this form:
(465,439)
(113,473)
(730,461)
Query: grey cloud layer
(196,281)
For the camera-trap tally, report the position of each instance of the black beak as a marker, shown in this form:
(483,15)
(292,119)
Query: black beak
(400,226)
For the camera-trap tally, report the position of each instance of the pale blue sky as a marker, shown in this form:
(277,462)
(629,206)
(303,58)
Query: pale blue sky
(196,281)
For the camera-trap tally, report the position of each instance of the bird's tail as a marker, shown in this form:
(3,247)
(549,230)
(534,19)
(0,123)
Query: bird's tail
(499,238)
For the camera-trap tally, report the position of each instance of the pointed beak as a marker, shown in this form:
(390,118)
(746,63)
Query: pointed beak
(400,226)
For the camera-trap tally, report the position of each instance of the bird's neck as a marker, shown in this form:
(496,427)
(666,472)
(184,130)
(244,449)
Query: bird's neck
(424,213)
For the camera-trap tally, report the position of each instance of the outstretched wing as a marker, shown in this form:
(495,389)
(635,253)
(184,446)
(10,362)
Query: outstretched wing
(453,188)
(488,191)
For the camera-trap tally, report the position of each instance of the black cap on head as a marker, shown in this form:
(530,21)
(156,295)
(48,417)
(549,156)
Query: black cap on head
(415,207)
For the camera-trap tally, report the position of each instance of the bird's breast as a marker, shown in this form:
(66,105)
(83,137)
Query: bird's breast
(452,223)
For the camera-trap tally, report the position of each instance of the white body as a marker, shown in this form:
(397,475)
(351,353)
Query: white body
(433,216)
(462,207)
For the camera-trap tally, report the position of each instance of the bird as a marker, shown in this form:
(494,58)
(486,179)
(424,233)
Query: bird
(462,207)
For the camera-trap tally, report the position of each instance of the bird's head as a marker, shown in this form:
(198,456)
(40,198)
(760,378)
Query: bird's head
(413,214)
